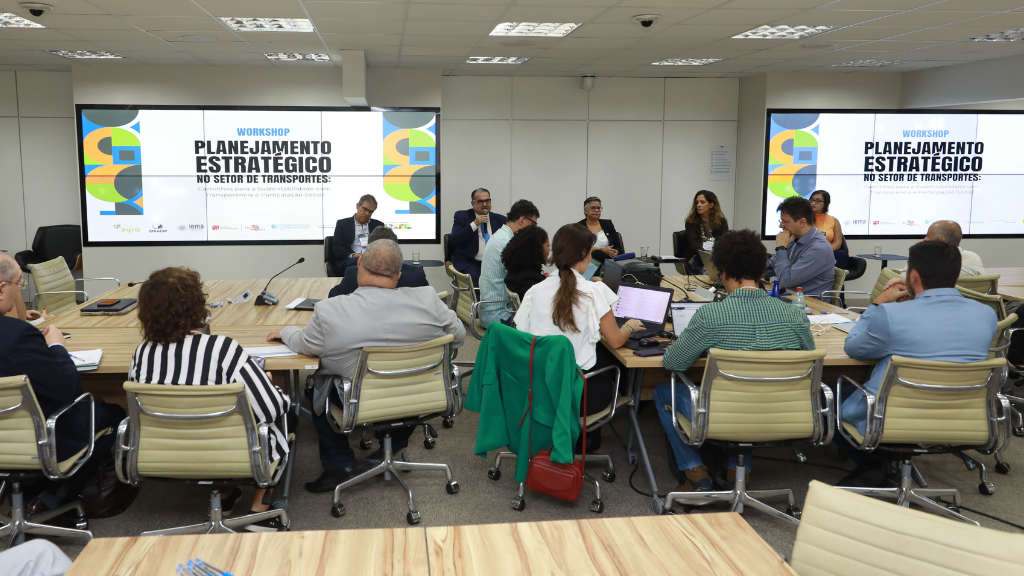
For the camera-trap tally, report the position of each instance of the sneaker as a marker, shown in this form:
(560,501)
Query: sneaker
(227,502)
(697,480)
(269,525)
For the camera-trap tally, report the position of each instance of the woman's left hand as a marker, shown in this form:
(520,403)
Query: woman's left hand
(610,252)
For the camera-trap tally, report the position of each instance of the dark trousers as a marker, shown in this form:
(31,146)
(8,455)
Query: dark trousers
(335,451)
(473,269)
(601,387)
(107,416)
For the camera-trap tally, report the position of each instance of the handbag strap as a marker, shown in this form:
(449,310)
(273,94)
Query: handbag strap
(529,407)
(584,417)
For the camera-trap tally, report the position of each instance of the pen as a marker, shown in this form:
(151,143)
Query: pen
(73,357)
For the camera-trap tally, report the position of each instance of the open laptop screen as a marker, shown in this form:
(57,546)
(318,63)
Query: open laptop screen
(645,303)
(682,313)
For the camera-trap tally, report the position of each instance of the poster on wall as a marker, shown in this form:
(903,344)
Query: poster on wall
(890,174)
(190,175)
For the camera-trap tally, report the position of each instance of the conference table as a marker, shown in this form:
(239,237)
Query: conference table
(1008,276)
(718,544)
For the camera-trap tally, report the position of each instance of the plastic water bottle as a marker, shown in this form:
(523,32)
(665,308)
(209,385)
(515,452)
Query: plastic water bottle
(799,300)
(775,288)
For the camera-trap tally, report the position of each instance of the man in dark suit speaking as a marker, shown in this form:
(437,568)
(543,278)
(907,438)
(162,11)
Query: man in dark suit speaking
(411,276)
(351,235)
(471,231)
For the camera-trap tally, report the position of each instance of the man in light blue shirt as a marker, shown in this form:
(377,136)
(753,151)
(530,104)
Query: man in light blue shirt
(492,272)
(803,256)
(924,317)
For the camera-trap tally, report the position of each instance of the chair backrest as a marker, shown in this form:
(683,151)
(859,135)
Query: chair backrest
(21,425)
(193,432)
(993,301)
(62,240)
(621,243)
(1001,340)
(754,396)
(985,283)
(395,382)
(447,242)
(931,402)
(835,300)
(52,276)
(679,243)
(464,294)
(846,534)
(328,254)
(883,279)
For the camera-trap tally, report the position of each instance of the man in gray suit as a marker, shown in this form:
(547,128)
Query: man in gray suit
(376,314)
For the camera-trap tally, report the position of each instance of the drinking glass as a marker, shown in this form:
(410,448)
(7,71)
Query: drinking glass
(415,257)
(878,250)
(643,252)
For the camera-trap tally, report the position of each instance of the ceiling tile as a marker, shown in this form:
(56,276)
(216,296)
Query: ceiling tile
(571,43)
(455,51)
(57,45)
(250,9)
(204,24)
(555,13)
(433,61)
(357,10)
(994,22)
(781,4)
(358,26)
(201,47)
(834,17)
(454,13)
(706,31)
(453,28)
(567,2)
(744,17)
(503,40)
(279,37)
(359,41)
(141,46)
(982,5)
(456,1)
(894,46)
(231,56)
(674,3)
(262,47)
(943,34)
(624,15)
(612,31)
(220,35)
(159,56)
(141,8)
(967,46)
(113,35)
(84,22)
(921,19)
(877,4)
(18,34)
(864,33)
(460,41)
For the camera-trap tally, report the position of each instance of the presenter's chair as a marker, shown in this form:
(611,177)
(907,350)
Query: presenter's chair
(854,266)
(60,241)
(329,268)
(466,304)
(199,435)
(845,534)
(56,288)
(985,283)
(753,400)
(446,241)
(679,245)
(28,452)
(993,301)
(392,387)
(930,407)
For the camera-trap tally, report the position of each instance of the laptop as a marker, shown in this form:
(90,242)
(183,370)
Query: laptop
(612,275)
(709,266)
(682,313)
(648,304)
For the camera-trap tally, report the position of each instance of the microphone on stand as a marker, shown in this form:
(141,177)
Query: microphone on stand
(483,227)
(265,298)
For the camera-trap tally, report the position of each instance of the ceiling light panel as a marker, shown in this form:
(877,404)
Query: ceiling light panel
(540,29)
(84,54)
(8,20)
(268,24)
(783,32)
(871,63)
(686,62)
(296,57)
(1011,35)
(497,59)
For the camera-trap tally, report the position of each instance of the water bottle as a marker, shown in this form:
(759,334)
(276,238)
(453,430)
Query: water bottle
(799,300)
(775,288)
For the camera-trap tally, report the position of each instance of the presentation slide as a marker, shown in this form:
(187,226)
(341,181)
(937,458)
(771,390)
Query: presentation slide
(254,176)
(890,174)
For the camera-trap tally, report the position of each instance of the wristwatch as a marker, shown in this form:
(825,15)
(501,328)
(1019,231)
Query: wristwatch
(777,248)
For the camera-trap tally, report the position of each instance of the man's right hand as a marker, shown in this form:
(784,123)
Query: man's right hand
(53,335)
(481,219)
(895,291)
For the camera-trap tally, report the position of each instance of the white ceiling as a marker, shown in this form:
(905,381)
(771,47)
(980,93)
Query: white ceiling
(443,33)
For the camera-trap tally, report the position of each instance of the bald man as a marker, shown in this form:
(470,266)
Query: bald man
(949,232)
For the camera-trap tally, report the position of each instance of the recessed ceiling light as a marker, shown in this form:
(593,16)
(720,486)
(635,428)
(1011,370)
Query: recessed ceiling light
(783,32)
(84,54)
(686,62)
(1011,35)
(496,59)
(296,57)
(544,29)
(872,63)
(8,20)
(197,38)
(268,24)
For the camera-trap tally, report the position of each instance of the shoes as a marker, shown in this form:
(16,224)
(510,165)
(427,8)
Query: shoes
(697,480)
(227,503)
(330,479)
(269,525)
(35,506)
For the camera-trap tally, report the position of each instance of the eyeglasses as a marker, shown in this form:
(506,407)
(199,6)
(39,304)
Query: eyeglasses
(532,220)
(595,208)
(781,221)
(817,201)
(487,201)
(22,284)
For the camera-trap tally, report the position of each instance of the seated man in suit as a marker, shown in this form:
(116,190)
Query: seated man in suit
(42,357)
(935,322)
(352,234)
(950,232)
(471,232)
(411,276)
(376,314)
(803,257)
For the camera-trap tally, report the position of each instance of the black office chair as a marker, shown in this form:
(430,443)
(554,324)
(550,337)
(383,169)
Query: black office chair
(329,267)
(855,266)
(679,245)
(52,241)
(621,243)
(447,240)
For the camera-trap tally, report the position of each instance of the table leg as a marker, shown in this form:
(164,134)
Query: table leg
(294,387)
(636,379)
(885,263)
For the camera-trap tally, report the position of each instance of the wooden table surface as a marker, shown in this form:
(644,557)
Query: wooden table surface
(1011,292)
(720,544)
(1008,276)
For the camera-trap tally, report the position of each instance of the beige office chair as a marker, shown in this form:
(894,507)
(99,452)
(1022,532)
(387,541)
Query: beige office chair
(994,301)
(750,400)
(204,435)
(28,451)
(513,303)
(397,386)
(883,278)
(985,283)
(843,534)
(833,296)
(466,304)
(55,286)
(930,407)
(1000,348)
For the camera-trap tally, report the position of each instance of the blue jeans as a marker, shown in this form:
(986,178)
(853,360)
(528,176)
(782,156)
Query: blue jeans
(687,457)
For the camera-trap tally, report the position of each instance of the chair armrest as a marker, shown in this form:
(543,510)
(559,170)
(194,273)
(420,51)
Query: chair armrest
(870,442)
(35,299)
(443,295)
(120,453)
(112,279)
(828,414)
(693,436)
(262,452)
(343,387)
(615,394)
(472,316)
(50,443)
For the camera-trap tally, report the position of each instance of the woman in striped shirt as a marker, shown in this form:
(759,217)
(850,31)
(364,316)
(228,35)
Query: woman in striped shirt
(173,313)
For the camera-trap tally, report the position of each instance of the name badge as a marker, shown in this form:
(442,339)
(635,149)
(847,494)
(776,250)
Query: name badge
(709,245)
(362,240)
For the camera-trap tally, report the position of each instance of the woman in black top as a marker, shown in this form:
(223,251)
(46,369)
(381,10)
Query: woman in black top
(524,259)
(608,244)
(704,223)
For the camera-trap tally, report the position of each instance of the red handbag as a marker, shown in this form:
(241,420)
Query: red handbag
(564,481)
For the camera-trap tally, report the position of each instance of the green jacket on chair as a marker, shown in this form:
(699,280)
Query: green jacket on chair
(500,389)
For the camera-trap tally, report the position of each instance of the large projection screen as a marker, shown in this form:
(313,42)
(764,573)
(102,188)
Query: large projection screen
(186,175)
(891,173)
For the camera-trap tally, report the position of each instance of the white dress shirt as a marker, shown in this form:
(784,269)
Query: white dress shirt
(480,239)
(970,263)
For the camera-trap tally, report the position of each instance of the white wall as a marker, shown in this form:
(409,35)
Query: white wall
(968,83)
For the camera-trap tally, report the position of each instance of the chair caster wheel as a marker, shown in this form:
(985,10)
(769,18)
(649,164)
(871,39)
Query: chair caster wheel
(987,488)
(1003,467)
(494,474)
(597,506)
(1018,431)
(518,504)
(338,510)
(429,443)
(794,511)
(365,445)
(412,517)
(448,422)
(609,476)
(82,524)
(658,507)
(631,458)
(452,487)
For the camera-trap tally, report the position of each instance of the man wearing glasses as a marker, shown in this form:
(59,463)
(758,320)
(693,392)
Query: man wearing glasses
(351,235)
(803,257)
(471,232)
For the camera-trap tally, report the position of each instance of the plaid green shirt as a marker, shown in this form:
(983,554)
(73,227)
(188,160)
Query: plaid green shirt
(746,320)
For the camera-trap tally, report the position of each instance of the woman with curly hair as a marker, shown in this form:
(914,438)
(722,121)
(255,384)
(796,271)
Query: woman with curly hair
(176,351)
(524,258)
(704,224)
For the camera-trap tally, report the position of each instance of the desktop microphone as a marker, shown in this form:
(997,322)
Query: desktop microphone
(265,298)
(483,227)
(130,284)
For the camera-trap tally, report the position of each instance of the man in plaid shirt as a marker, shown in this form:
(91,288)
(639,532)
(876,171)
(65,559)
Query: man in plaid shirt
(748,319)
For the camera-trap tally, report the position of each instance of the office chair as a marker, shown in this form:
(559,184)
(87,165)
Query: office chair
(446,241)
(835,295)
(63,241)
(397,386)
(845,534)
(993,301)
(201,435)
(466,304)
(753,399)
(883,278)
(56,286)
(28,452)
(679,245)
(855,266)
(930,407)
(985,284)
(329,266)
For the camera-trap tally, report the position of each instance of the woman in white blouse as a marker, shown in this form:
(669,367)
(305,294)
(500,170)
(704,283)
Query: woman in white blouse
(570,306)
(607,244)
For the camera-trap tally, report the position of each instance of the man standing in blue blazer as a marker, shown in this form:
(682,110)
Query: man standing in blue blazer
(471,231)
